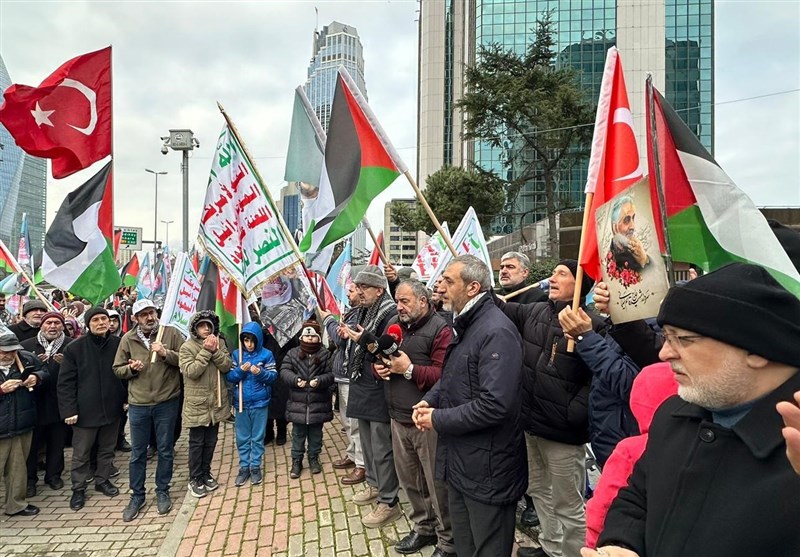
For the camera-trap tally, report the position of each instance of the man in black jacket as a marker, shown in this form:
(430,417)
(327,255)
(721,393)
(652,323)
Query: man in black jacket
(50,432)
(731,340)
(475,410)
(20,372)
(91,398)
(411,373)
(28,326)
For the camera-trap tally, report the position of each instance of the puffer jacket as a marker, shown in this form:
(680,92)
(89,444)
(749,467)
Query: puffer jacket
(202,372)
(18,409)
(256,388)
(308,405)
(555,383)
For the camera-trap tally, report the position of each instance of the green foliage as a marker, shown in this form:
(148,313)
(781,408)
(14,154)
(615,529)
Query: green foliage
(541,269)
(450,191)
(532,109)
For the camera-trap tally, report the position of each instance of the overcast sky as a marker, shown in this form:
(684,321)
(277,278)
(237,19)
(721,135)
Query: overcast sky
(173,60)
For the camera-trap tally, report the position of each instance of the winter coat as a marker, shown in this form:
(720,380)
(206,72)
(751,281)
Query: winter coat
(331,326)
(159,381)
(367,392)
(47,394)
(256,388)
(203,376)
(23,331)
(308,405)
(701,489)
(481,447)
(555,384)
(87,385)
(18,408)
(280,391)
(654,385)
(610,417)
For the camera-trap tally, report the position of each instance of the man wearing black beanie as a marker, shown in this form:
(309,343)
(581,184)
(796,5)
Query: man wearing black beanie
(715,479)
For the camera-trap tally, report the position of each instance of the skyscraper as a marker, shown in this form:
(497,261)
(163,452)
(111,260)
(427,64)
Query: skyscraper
(336,45)
(290,207)
(23,186)
(672,39)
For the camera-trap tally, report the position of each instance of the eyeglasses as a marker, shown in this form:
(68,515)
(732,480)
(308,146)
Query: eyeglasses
(364,286)
(679,341)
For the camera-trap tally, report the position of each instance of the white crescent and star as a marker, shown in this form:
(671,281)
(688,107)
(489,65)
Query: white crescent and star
(42,117)
(623,116)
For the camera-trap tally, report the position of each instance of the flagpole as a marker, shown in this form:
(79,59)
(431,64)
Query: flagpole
(158,339)
(434,220)
(576,296)
(285,228)
(382,255)
(241,359)
(662,203)
(22,272)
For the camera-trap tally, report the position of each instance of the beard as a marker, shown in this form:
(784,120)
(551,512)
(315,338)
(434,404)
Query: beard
(724,389)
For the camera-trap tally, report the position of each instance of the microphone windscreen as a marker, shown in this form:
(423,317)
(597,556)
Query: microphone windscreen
(395,332)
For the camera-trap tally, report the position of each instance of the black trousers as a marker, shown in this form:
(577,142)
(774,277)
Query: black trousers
(52,437)
(202,443)
(83,438)
(481,530)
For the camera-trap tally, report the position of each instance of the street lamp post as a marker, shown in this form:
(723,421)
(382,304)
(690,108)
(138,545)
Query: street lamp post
(182,140)
(155,223)
(167,222)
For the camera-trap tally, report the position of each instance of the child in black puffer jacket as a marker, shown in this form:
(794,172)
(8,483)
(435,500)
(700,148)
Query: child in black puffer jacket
(308,370)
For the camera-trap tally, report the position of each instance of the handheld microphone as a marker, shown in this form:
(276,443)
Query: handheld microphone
(387,346)
(395,332)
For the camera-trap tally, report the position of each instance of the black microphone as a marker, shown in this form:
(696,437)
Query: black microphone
(388,346)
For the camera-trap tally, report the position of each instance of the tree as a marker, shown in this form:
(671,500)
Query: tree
(450,191)
(535,111)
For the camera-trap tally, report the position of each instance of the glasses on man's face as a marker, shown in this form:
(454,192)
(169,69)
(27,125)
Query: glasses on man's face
(363,287)
(679,341)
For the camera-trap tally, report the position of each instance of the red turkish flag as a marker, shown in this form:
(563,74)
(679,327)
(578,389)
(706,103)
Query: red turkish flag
(614,163)
(68,117)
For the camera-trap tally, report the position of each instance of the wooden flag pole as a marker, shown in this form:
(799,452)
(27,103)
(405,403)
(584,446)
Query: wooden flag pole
(434,220)
(261,181)
(158,339)
(576,297)
(507,297)
(219,388)
(375,241)
(241,359)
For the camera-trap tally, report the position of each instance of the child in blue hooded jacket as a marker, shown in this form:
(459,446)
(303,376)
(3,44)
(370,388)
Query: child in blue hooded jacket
(255,370)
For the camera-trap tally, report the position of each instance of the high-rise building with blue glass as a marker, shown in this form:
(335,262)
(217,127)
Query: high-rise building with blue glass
(671,39)
(336,45)
(23,187)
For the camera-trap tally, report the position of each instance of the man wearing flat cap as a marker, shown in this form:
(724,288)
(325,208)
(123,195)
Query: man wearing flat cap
(51,432)
(28,326)
(90,399)
(715,479)
(20,372)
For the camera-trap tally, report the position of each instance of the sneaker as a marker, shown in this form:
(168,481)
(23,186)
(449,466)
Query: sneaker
(297,468)
(255,476)
(132,510)
(163,502)
(210,483)
(123,445)
(197,488)
(366,497)
(314,465)
(114,472)
(242,477)
(382,515)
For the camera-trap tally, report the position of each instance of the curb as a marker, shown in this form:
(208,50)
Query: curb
(169,547)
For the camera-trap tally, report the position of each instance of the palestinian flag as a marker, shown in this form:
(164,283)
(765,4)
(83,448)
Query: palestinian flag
(78,247)
(710,221)
(130,271)
(219,294)
(7,261)
(359,164)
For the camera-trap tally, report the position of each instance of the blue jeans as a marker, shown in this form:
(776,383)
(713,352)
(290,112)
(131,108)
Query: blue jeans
(162,417)
(251,426)
(299,434)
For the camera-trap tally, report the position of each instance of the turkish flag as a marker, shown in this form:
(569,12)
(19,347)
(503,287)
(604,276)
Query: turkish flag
(614,163)
(68,117)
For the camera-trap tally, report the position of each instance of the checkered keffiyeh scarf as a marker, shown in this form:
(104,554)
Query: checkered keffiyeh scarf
(50,348)
(145,338)
(369,318)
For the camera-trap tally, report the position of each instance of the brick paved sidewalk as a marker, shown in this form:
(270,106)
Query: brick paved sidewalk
(281,517)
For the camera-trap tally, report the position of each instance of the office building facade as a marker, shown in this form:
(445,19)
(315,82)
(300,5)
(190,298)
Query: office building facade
(672,39)
(401,246)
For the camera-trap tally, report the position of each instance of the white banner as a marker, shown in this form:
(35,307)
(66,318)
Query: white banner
(239,227)
(181,299)
(468,240)
(427,260)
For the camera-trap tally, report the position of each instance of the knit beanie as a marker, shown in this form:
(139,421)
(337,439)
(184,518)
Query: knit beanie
(53,314)
(789,240)
(371,275)
(91,312)
(32,305)
(587,281)
(741,305)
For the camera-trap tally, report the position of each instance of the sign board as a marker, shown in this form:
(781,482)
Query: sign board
(131,238)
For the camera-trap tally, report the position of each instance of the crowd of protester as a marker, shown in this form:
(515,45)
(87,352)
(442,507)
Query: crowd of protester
(471,404)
